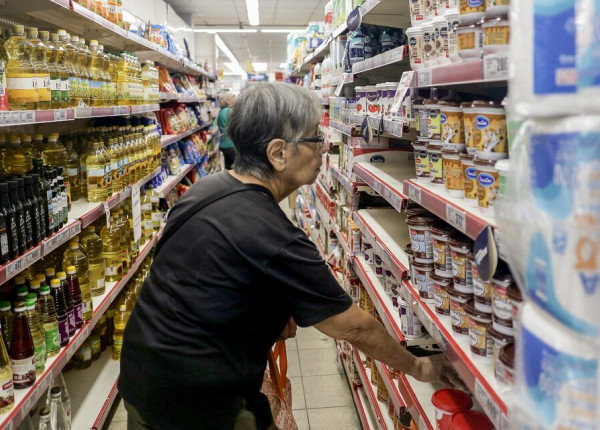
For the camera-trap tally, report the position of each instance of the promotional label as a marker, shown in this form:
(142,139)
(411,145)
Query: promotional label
(22,87)
(43,88)
(40,356)
(7,391)
(3,87)
(65,93)
(63,330)
(78,314)
(23,372)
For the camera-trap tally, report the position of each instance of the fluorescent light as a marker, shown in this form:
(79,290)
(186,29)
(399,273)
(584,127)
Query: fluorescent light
(259,67)
(283,66)
(253,12)
(235,65)
(282,30)
(224,30)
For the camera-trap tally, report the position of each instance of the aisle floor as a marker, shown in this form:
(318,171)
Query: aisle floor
(321,397)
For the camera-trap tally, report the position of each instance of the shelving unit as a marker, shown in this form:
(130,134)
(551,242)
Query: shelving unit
(173,180)
(387,180)
(167,139)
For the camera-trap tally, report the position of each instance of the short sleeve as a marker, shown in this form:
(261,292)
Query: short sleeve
(307,286)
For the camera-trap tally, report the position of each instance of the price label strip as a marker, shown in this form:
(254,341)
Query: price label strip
(488,404)
(60,115)
(414,193)
(425,78)
(456,218)
(495,66)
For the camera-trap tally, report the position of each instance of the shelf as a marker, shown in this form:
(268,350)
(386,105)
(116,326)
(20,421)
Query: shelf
(173,180)
(380,409)
(386,230)
(83,22)
(387,180)
(181,98)
(470,72)
(360,400)
(456,212)
(346,129)
(391,13)
(145,108)
(388,58)
(93,391)
(27,398)
(167,139)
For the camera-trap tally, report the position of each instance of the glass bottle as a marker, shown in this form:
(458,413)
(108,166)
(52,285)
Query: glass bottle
(120,322)
(27,212)
(76,258)
(37,221)
(58,416)
(39,344)
(75,292)
(7,394)
(83,356)
(49,321)
(62,277)
(6,322)
(91,244)
(44,192)
(45,423)
(22,352)
(20,73)
(7,227)
(59,382)
(103,330)
(60,305)
(20,215)
(96,344)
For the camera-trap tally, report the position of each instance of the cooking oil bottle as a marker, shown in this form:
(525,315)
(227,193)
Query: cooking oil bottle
(123,81)
(15,160)
(116,162)
(85,152)
(77,98)
(87,71)
(71,69)
(154,200)
(27,145)
(51,57)
(147,223)
(112,71)
(62,68)
(41,69)
(124,242)
(73,171)
(75,257)
(37,333)
(21,79)
(92,245)
(54,154)
(96,78)
(111,253)
(107,81)
(38,145)
(120,321)
(97,171)
(49,321)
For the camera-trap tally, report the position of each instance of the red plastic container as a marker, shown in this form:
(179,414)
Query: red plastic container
(470,420)
(448,401)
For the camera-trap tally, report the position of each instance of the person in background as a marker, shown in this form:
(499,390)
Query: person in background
(232,274)
(226,100)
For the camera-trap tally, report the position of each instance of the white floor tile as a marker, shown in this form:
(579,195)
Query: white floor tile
(301,417)
(291,344)
(298,401)
(293,369)
(341,418)
(311,338)
(118,425)
(316,362)
(326,391)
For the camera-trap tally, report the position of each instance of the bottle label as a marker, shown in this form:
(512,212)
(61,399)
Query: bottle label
(73,87)
(4,242)
(28,227)
(52,337)
(95,89)
(14,234)
(22,87)
(63,330)
(96,345)
(78,314)
(23,372)
(7,391)
(117,347)
(65,87)
(22,227)
(56,89)
(40,355)
(115,168)
(88,307)
(97,178)
(71,320)
(43,88)
(84,353)
(50,209)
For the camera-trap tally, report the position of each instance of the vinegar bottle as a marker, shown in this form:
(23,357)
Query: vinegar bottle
(6,322)
(74,257)
(75,291)
(61,311)
(22,352)
(12,229)
(49,321)
(7,394)
(62,277)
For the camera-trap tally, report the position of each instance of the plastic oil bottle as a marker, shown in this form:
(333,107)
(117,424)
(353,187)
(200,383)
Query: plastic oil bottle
(112,70)
(21,79)
(49,321)
(16,161)
(38,146)
(96,79)
(71,69)
(51,57)
(79,96)
(27,145)
(120,321)
(123,226)
(38,59)
(22,352)
(111,253)
(7,393)
(73,171)
(116,161)
(147,223)
(74,257)
(86,62)
(85,152)
(62,68)
(97,171)
(123,96)
(107,84)
(54,154)
(92,245)
(37,333)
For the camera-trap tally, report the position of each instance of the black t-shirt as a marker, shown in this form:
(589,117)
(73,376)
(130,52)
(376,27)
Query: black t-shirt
(219,293)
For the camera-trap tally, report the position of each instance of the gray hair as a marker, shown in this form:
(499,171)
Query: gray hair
(265,112)
(225,96)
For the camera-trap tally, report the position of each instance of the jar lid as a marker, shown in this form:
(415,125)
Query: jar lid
(420,144)
(459,240)
(440,228)
(458,294)
(435,145)
(452,152)
(502,322)
(514,293)
(483,162)
(466,157)
(467,26)
(431,103)
(448,103)
(451,399)
(493,20)
(487,104)
(427,267)
(418,220)
(466,105)
(441,281)
(470,420)
(507,355)
(408,250)
(501,337)
(472,311)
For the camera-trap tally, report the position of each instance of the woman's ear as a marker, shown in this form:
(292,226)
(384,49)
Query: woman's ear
(277,151)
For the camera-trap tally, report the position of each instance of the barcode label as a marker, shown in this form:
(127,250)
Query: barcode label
(424,78)
(487,403)
(75,229)
(414,193)
(14,267)
(60,114)
(456,218)
(495,66)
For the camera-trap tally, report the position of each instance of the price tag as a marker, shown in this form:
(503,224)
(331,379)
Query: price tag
(456,218)
(387,259)
(495,66)
(424,78)
(504,422)
(487,403)
(60,115)
(5,118)
(27,117)
(106,212)
(75,229)
(414,193)
(15,117)
(33,256)
(401,91)
(14,267)
(9,426)
(50,245)
(136,213)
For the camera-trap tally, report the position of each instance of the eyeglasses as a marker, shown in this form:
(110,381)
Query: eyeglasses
(320,139)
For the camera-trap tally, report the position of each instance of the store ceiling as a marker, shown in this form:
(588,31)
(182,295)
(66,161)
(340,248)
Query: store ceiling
(252,47)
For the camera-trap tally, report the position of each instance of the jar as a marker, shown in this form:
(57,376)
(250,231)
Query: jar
(382,392)
(446,402)
(503,326)
(451,121)
(442,255)
(471,10)
(417,12)
(429,52)
(422,281)
(453,173)
(481,343)
(496,34)
(497,7)
(421,161)
(378,265)
(458,315)
(412,328)
(453,22)
(503,168)
(436,164)
(498,341)
(469,179)
(441,296)
(516,300)
(419,228)
(440,31)
(472,133)
(391,88)
(372,101)
(413,209)
(470,41)
(507,359)
(416,48)
(382,98)
(470,420)
(361,100)
(501,303)
(434,120)
(481,289)
(487,185)
(422,119)
(490,120)
(461,246)
(362,298)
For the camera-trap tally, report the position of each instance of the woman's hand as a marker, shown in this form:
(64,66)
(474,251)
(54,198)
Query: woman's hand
(437,368)
(289,330)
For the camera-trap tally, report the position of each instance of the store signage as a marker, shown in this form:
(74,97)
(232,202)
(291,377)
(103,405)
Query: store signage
(402,91)
(258,77)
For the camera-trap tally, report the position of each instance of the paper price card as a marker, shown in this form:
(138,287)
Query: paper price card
(489,406)
(456,218)
(136,213)
(401,91)
(414,193)
(425,78)
(495,66)
(60,114)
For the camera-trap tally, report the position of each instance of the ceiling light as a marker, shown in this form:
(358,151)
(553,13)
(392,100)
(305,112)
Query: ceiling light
(283,66)
(259,67)
(224,30)
(236,67)
(253,13)
(282,30)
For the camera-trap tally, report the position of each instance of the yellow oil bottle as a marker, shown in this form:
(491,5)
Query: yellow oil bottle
(73,171)
(73,256)
(120,321)
(116,165)
(21,78)
(106,84)
(97,171)
(68,68)
(27,145)
(112,70)
(55,154)
(111,253)
(96,81)
(15,160)
(38,145)
(77,98)
(85,152)
(123,96)
(87,71)
(42,72)
(92,245)
(52,54)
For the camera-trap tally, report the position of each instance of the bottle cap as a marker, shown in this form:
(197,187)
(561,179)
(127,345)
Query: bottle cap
(45,290)
(40,277)
(32,31)
(122,308)
(32,296)
(90,228)
(5,305)
(71,270)
(18,29)
(34,283)
(55,392)
(21,308)
(55,283)
(45,413)
(49,271)
(22,291)
(93,43)
(61,275)
(44,35)
(62,32)
(19,280)
(30,304)
(74,245)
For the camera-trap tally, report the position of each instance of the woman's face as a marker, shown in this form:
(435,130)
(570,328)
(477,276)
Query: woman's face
(305,160)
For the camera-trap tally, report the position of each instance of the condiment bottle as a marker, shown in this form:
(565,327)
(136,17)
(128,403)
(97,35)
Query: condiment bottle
(60,305)
(62,277)
(74,290)
(22,352)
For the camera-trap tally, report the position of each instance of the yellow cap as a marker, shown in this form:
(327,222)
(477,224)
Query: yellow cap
(49,271)
(19,280)
(18,29)
(61,275)
(34,283)
(40,277)
(71,269)
(54,282)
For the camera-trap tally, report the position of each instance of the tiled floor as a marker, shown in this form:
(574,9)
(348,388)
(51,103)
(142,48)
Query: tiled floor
(321,397)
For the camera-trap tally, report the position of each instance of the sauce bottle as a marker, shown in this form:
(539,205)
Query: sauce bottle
(62,277)
(12,229)
(60,305)
(39,345)
(74,290)
(6,322)
(22,352)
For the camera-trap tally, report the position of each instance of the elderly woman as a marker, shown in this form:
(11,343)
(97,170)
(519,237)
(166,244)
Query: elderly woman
(231,274)
(226,100)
